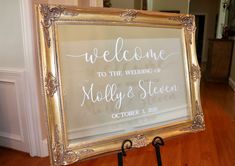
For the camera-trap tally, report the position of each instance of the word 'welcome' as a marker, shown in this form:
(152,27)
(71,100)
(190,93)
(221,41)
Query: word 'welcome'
(123,55)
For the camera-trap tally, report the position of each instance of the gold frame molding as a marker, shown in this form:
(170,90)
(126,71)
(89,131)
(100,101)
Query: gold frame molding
(62,153)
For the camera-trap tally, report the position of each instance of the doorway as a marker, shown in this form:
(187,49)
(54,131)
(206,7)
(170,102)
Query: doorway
(200,24)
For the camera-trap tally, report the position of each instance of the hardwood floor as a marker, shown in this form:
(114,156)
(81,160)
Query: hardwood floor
(213,147)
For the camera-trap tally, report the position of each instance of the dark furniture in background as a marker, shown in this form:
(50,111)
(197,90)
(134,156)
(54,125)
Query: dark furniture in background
(219,60)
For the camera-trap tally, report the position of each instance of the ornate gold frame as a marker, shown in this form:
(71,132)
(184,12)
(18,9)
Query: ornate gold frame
(61,153)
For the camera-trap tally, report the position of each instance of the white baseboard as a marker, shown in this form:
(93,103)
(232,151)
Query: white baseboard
(44,152)
(13,143)
(12,136)
(232,83)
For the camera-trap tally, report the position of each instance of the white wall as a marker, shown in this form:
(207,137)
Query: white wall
(12,106)
(126,4)
(11,46)
(180,5)
(19,97)
(63,2)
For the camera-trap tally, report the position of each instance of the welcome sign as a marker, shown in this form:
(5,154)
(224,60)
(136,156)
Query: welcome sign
(121,80)
(111,75)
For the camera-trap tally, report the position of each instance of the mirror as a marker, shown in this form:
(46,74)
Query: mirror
(121,80)
(109,75)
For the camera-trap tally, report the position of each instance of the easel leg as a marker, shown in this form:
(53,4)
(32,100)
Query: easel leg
(157,142)
(120,160)
(127,144)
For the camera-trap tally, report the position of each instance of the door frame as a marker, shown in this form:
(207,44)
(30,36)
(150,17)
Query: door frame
(37,145)
(204,47)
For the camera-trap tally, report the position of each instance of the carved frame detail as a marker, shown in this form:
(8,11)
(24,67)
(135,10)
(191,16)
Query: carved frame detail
(63,156)
(60,155)
(198,120)
(51,84)
(129,15)
(195,73)
(188,22)
(139,141)
(49,16)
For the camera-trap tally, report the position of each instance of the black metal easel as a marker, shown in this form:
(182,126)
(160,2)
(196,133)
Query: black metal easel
(157,142)
(127,144)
